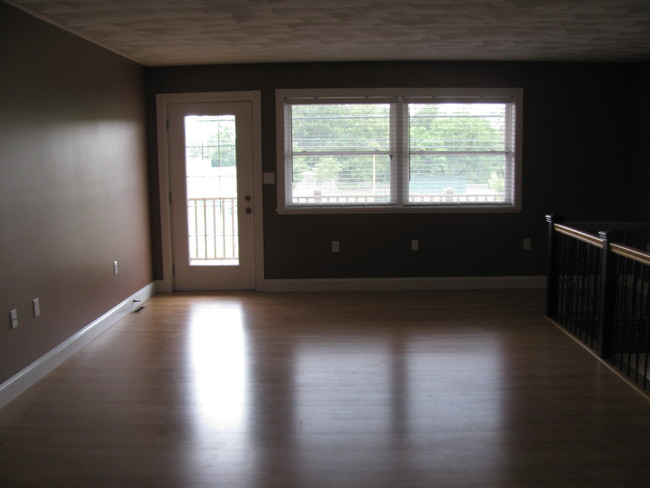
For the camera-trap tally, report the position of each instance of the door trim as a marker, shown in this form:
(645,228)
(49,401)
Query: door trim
(163,101)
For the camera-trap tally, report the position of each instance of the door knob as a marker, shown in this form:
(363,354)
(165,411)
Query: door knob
(248,210)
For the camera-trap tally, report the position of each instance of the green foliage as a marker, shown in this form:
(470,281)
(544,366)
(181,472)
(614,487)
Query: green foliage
(344,132)
(221,144)
(437,131)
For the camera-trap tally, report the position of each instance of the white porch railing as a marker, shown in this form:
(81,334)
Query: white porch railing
(414,199)
(213,234)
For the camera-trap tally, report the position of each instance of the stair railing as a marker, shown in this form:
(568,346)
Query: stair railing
(599,291)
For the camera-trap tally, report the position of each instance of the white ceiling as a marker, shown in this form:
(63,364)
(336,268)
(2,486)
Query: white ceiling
(183,32)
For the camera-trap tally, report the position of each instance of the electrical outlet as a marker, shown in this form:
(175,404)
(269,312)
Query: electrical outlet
(336,246)
(13,316)
(415,245)
(36,307)
(115,267)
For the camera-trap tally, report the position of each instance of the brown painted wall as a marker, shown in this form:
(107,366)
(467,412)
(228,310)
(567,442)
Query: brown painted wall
(73,185)
(642,183)
(579,121)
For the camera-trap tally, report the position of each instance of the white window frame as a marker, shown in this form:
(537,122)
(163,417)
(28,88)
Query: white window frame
(413,95)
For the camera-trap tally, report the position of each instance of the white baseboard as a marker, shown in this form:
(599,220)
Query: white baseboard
(398,284)
(29,376)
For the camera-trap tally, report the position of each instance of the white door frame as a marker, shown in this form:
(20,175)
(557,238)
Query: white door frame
(163,101)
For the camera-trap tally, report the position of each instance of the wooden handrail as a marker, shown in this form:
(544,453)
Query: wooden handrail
(631,253)
(580,235)
(611,225)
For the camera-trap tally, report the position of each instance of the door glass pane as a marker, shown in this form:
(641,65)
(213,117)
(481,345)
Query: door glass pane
(211,179)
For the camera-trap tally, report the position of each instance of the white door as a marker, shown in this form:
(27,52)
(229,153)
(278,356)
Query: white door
(211,183)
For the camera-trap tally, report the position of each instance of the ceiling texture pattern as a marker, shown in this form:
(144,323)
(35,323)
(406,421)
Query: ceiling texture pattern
(185,32)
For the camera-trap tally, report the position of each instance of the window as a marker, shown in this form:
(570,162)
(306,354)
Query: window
(380,150)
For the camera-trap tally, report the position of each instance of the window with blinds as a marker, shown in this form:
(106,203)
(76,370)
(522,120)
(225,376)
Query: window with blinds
(398,150)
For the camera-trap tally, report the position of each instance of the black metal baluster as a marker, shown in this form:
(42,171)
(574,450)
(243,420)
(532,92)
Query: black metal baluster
(607,297)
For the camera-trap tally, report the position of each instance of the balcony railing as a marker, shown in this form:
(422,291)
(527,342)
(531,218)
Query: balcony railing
(599,291)
(318,199)
(213,236)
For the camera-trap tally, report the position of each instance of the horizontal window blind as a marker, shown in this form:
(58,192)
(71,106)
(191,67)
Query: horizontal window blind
(399,151)
(459,152)
(340,153)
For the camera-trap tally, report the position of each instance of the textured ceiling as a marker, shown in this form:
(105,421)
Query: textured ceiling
(183,32)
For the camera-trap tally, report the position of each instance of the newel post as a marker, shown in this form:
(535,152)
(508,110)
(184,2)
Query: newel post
(606,297)
(552,275)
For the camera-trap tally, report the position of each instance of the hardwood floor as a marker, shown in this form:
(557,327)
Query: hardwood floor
(418,389)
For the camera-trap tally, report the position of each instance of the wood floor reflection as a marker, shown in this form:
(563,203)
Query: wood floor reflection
(413,389)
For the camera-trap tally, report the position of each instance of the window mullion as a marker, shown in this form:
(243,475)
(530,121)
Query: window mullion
(399,152)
